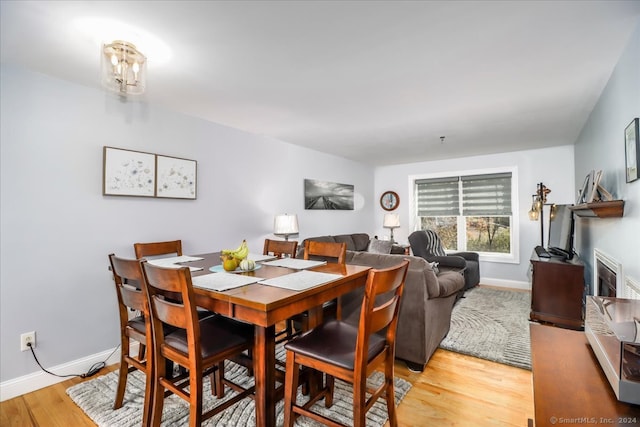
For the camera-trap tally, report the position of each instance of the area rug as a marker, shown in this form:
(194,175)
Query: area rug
(492,324)
(95,398)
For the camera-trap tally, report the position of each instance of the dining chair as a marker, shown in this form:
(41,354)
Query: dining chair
(143,250)
(329,251)
(199,345)
(280,248)
(351,353)
(138,329)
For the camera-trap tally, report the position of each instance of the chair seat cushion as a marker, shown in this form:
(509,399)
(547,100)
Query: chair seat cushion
(334,342)
(137,323)
(217,334)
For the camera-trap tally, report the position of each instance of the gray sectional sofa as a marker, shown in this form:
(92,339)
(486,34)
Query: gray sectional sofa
(427,302)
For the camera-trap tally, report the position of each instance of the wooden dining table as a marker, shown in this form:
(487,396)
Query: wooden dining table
(265,306)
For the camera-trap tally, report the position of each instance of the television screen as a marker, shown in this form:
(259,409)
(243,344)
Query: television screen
(561,231)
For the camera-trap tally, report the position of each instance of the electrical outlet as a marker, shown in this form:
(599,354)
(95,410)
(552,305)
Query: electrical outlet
(27,338)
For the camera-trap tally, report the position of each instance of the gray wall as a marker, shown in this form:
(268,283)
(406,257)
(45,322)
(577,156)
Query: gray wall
(57,228)
(601,146)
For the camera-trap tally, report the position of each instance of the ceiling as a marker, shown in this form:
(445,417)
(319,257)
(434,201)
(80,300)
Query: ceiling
(375,81)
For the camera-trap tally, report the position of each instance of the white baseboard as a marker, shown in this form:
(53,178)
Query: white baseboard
(40,379)
(502,283)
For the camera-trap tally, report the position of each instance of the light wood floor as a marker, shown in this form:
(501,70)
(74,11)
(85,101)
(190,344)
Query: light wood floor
(454,390)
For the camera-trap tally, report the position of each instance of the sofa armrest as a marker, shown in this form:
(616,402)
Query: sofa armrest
(452,261)
(469,256)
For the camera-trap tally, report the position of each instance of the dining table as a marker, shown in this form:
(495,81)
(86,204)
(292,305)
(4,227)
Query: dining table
(265,306)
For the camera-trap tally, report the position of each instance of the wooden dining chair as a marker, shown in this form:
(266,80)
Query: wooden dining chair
(351,353)
(138,329)
(199,345)
(330,251)
(280,248)
(143,250)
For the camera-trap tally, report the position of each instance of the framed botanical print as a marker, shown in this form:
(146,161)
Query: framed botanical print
(128,173)
(176,177)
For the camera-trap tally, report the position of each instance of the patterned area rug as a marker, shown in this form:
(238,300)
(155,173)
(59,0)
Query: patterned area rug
(492,324)
(95,398)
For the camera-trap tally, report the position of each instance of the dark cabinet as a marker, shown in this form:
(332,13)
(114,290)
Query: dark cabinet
(557,289)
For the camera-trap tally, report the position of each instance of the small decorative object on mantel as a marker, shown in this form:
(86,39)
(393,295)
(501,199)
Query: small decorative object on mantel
(632,150)
(389,200)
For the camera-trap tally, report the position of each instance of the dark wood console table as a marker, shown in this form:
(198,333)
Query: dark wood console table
(569,387)
(557,289)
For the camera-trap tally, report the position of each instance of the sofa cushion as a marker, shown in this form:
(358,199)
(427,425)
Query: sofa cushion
(379,246)
(361,240)
(346,238)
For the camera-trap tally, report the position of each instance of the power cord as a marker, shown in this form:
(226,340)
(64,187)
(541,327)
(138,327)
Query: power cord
(94,369)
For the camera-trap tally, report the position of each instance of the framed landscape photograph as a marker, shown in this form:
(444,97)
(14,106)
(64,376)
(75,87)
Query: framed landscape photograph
(128,173)
(327,195)
(631,150)
(176,178)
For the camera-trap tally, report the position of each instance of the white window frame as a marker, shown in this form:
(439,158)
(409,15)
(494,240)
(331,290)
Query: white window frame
(511,258)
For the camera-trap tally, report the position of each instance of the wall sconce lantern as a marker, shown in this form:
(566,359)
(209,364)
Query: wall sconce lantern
(537,208)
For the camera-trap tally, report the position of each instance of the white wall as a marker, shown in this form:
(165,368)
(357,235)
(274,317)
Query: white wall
(601,146)
(552,166)
(57,228)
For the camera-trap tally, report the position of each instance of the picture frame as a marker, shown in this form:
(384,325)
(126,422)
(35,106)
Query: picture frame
(176,178)
(596,176)
(389,200)
(631,150)
(584,190)
(128,173)
(323,195)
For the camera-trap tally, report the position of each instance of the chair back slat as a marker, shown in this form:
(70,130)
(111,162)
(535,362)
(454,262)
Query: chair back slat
(380,306)
(159,283)
(143,250)
(337,251)
(280,248)
(128,271)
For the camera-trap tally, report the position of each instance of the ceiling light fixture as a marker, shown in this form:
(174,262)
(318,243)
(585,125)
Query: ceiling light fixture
(124,68)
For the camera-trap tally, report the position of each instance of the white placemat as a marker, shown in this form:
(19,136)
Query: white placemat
(301,280)
(295,263)
(172,262)
(223,281)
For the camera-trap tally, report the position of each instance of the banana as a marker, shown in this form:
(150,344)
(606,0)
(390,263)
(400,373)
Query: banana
(241,252)
(233,251)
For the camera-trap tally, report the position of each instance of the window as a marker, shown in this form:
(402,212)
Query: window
(469,212)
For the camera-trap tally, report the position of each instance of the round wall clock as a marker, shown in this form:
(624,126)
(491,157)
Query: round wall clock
(389,200)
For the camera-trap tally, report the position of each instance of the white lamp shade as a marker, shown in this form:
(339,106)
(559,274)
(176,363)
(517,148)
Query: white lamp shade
(285,224)
(391,220)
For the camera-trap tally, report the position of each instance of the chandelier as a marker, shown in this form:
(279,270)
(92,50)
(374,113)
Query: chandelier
(123,68)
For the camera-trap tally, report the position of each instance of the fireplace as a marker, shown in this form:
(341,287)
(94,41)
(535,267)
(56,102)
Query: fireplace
(606,281)
(607,275)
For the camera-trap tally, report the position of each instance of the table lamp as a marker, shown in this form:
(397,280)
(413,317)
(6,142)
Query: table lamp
(285,225)
(391,221)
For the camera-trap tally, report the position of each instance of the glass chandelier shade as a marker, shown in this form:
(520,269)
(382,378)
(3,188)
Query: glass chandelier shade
(124,68)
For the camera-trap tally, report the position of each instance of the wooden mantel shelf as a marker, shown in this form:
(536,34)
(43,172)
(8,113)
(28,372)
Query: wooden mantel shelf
(611,209)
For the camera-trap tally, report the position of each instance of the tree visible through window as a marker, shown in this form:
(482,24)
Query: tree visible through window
(471,213)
